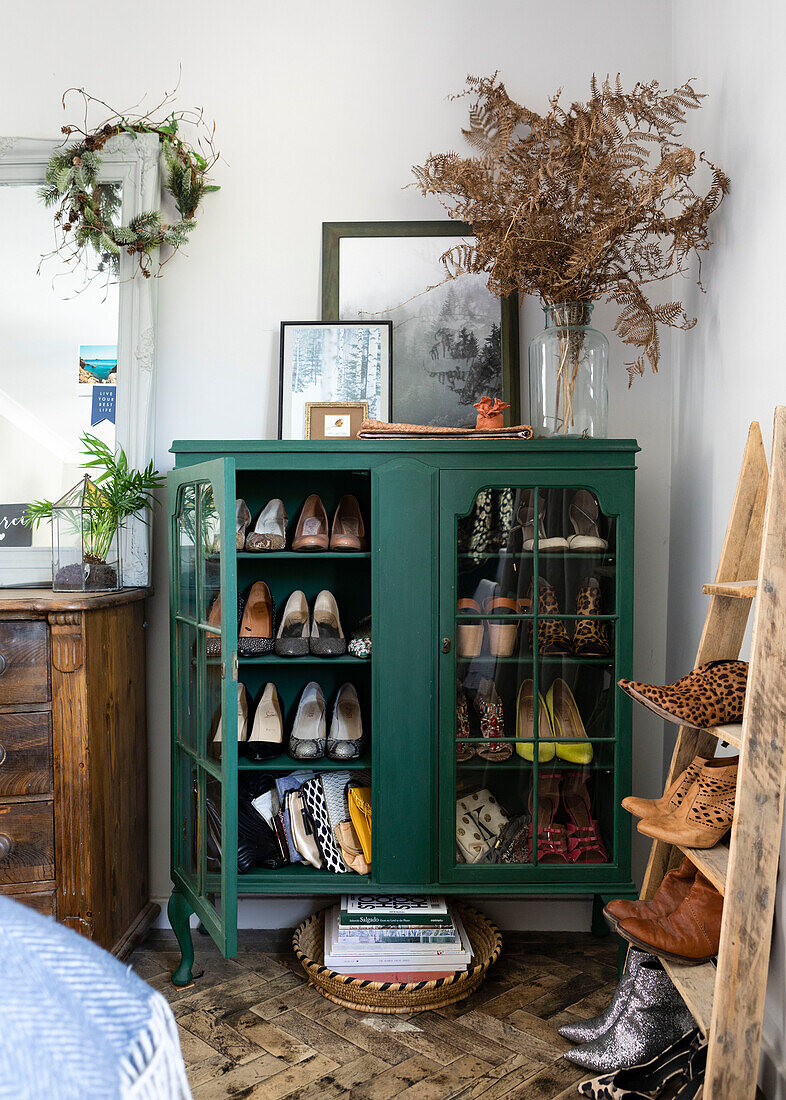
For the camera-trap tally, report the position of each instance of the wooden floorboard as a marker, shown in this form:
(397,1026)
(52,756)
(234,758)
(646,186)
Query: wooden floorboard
(251,1027)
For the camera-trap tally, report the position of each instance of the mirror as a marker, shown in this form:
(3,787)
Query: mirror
(68,342)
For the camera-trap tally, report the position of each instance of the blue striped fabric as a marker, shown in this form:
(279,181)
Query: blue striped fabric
(75,1024)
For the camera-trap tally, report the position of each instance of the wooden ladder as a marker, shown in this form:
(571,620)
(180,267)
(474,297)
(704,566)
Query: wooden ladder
(727,1000)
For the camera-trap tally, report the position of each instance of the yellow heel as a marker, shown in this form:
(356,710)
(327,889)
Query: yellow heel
(566,722)
(525,724)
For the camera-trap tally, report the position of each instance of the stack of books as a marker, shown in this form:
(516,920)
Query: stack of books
(395,938)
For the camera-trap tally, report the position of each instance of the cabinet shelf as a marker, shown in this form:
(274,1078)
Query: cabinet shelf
(293,662)
(285,763)
(301,555)
(543,556)
(526,765)
(528,659)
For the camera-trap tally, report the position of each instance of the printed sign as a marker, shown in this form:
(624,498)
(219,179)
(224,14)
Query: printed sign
(103,407)
(13,529)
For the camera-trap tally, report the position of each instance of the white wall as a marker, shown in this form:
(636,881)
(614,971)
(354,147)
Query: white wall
(729,371)
(321,109)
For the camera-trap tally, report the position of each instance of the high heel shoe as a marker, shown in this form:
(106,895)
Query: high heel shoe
(492,724)
(463,752)
(566,723)
(293,630)
(345,740)
(242,720)
(307,738)
(469,636)
(552,843)
(584,513)
(267,731)
(585,844)
(584,1031)
(213,641)
(348,532)
(654,1017)
(501,635)
(674,1067)
(525,724)
(311,532)
(590,636)
(327,638)
(255,636)
(552,635)
(526,517)
(242,520)
(270,529)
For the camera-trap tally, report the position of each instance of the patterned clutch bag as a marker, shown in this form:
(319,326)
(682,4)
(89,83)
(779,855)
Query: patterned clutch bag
(313,792)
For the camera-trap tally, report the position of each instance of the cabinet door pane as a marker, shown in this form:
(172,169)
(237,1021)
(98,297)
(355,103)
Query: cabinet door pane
(528,699)
(204,646)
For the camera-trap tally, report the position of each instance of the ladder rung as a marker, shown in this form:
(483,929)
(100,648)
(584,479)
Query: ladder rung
(696,986)
(712,862)
(732,734)
(738,590)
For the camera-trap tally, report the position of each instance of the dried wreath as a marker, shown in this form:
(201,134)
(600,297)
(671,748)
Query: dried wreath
(87,208)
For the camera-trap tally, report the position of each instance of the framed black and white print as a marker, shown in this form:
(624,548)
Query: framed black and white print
(452,344)
(333,362)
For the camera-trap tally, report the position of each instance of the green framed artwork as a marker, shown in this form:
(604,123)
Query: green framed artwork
(453,340)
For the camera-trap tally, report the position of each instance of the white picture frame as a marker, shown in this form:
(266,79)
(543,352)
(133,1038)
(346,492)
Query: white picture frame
(135,163)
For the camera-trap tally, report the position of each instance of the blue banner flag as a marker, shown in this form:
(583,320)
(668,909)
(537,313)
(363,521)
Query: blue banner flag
(103,404)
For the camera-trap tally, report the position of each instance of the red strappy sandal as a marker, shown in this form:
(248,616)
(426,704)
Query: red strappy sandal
(552,841)
(585,843)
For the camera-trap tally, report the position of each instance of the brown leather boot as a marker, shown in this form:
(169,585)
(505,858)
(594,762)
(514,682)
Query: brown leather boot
(707,811)
(669,895)
(691,934)
(711,695)
(671,799)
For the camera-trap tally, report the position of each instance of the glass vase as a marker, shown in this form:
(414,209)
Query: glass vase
(568,374)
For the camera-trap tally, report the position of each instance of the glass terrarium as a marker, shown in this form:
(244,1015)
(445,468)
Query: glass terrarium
(85,544)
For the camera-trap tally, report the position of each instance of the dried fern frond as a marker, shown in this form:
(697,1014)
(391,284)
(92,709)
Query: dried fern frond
(594,200)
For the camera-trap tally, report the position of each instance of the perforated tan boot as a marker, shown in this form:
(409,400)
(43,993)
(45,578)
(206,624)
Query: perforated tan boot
(707,812)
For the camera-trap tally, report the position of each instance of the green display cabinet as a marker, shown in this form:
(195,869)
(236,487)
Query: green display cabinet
(443,522)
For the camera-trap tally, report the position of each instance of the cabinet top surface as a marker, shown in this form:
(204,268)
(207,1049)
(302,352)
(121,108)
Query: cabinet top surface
(368,447)
(45,600)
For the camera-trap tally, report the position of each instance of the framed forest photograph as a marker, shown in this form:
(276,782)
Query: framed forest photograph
(324,363)
(453,340)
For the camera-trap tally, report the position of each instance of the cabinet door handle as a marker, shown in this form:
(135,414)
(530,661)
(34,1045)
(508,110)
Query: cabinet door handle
(6,845)
(2,664)
(446,645)
(3,755)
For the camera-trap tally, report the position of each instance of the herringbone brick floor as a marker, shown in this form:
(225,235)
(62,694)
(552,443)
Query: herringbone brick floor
(252,1027)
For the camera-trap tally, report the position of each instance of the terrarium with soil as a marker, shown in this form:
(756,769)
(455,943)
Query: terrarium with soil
(86,521)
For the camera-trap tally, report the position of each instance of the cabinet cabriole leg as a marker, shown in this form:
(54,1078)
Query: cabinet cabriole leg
(179,912)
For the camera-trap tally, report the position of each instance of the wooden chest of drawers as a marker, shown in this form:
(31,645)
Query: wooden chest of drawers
(73,761)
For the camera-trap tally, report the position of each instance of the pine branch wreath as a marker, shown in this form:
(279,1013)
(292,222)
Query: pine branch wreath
(597,200)
(87,209)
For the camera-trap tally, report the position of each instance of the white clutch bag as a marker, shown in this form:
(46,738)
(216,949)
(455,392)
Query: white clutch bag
(479,821)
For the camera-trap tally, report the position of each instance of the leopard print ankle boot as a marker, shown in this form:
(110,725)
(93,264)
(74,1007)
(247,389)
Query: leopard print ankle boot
(590,636)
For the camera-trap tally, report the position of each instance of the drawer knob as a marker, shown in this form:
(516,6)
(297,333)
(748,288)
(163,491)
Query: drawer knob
(2,664)
(6,844)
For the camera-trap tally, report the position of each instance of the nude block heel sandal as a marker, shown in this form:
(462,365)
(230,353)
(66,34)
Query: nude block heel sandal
(502,636)
(469,635)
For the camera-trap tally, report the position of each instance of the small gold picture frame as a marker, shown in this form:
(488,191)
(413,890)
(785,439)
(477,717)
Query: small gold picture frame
(333,420)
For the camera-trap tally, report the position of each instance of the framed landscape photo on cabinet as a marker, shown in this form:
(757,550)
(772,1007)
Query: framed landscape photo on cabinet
(453,340)
(325,362)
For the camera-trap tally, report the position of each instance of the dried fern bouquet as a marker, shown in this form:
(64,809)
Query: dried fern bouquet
(594,201)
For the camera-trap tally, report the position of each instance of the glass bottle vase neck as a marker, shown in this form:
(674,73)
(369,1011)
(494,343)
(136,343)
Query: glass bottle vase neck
(568,314)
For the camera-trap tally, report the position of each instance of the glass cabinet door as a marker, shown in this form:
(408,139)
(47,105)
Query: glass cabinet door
(203,591)
(528,731)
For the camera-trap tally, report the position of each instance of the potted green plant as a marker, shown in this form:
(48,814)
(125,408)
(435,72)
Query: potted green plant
(87,519)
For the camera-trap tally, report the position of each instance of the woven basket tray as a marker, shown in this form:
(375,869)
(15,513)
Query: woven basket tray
(389,997)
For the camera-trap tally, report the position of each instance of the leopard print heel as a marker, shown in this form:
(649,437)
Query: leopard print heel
(590,636)
(552,635)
